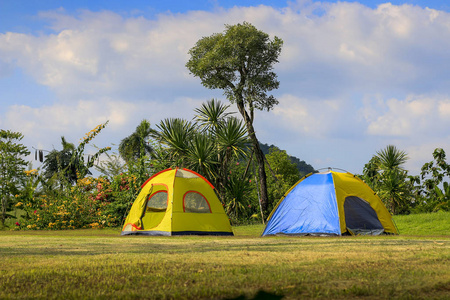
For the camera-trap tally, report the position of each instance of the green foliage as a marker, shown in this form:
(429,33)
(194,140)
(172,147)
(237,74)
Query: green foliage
(230,142)
(73,207)
(232,138)
(285,175)
(136,145)
(442,197)
(200,154)
(78,156)
(303,167)
(111,167)
(209,146)
(391,158)
(212,114)
(58,163)
(394,190)
(90,203)
(401,193)
(241,206)
(69,164)
(240,62)
(124,190)
(175,134)
(161,158)
(12,166)
(385,175)
(435,192)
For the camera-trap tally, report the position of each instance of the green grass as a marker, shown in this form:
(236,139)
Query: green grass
(431,224)
(424,224)
(100,264)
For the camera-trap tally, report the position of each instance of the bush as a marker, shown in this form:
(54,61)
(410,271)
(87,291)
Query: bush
(91,203)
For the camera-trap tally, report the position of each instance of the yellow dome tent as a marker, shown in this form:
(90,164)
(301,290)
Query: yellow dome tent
(177,202)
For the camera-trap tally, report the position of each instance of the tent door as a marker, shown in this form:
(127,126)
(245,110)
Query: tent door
(155,206)
(361,218)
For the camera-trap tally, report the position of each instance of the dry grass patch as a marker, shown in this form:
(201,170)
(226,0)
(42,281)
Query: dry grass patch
(103,265)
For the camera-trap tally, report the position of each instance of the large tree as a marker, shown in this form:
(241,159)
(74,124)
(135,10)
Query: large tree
(240,61)
(12,166)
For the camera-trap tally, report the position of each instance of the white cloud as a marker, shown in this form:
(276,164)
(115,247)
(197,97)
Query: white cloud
(43,126)
(60,118)
(349,74)
(349,46)
(314,119)
(411,117)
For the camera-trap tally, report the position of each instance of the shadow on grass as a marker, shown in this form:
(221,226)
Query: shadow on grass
(261,295)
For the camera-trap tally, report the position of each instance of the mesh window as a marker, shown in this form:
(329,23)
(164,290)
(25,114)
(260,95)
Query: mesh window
(195,203)
(157,202)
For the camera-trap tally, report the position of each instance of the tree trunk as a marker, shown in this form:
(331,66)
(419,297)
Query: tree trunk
(259,157)
(4,203)
(262,175)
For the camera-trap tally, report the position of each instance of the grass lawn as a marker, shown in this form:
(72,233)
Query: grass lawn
(100,264)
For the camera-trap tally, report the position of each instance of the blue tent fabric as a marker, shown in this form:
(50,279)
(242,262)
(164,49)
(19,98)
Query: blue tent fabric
(300,213)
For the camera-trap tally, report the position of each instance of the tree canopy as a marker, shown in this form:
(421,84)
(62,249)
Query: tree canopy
(240,62)
(12,166)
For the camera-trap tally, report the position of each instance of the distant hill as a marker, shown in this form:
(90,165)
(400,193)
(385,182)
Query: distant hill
(303,167)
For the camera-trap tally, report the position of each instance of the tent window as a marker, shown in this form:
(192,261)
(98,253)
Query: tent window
(194,202)
(360,217)
(157,202)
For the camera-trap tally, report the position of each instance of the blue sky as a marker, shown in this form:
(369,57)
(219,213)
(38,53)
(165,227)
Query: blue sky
(355,76)
(21,15)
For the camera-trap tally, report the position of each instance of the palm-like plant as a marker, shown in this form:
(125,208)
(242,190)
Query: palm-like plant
(135,145)
(59,162)
(232,142)
(212,114)
(206,146)
(201,155)
(394,190)
(389,178)
(391,158)
(176,134)
(69,162)
(239,192)
(230,136)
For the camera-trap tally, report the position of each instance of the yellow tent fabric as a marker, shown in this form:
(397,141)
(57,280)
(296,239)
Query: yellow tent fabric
(347,185)
(177,202)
